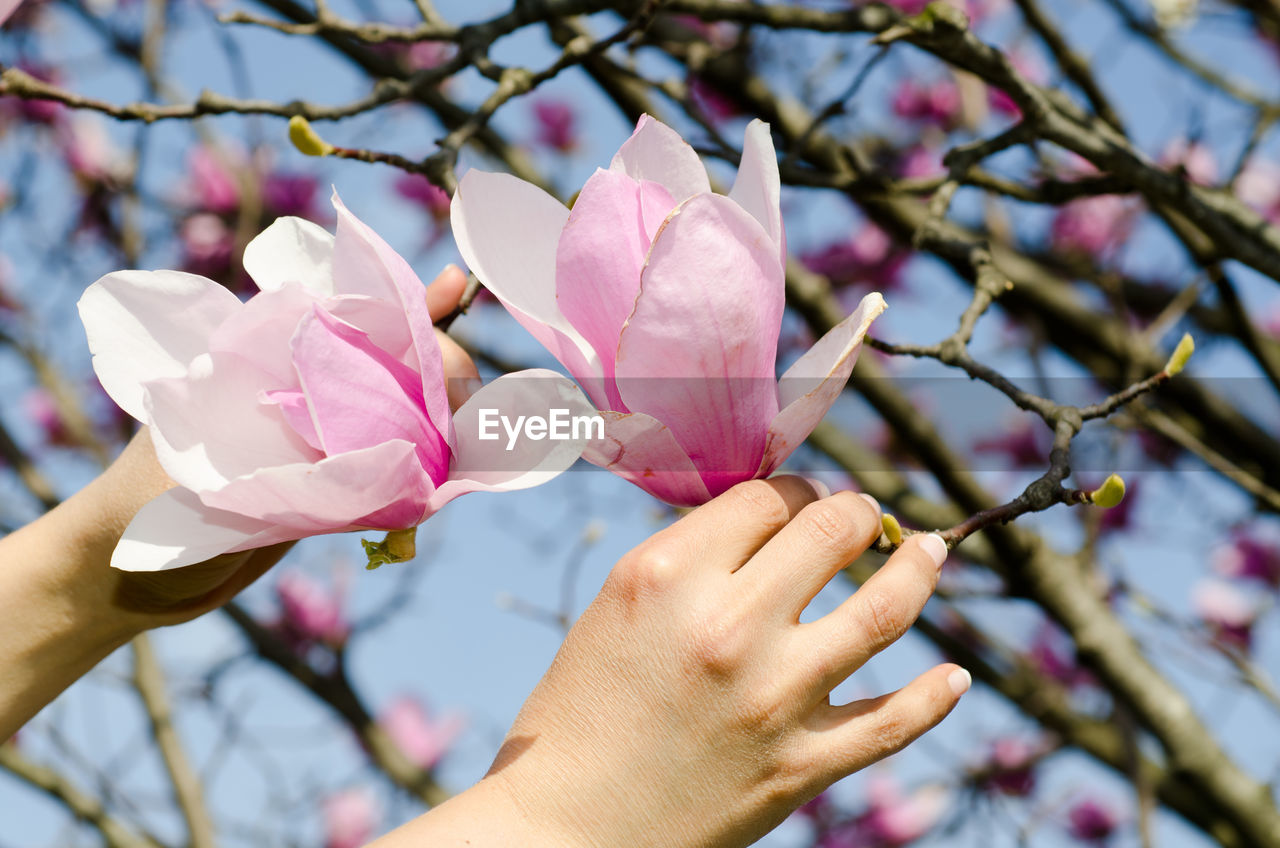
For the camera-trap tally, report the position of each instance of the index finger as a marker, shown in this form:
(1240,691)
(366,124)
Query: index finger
(727,531)
(444,292)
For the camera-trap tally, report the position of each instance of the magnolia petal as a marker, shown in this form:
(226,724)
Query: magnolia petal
(175,529)
(264,325)
(145,325)
(656,152)
(757,187)
(211,426)
(507,231)
(365,264)
(642,450)
(810,386)
(487,464)
(600,256)
(359,395)
(698,351)
(335,494)
(291,251)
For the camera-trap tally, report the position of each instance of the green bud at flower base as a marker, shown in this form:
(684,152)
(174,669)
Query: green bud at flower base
(1110,493)
(306,139)
(1181,354)
(398,546)
(892,529)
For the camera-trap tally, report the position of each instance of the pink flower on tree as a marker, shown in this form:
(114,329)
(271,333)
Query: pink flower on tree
(1092,820)
(1251,554)
(936,103)
(556,125)
(421,738)
(665,301)
(310,611)
(868,256)
(1010,766)
(350,818)
(895,818)
(1094,226)
(1227,611)
(317,406)
(212,185)
(420,191)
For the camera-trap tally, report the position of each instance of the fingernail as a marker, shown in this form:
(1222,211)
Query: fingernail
(452,266)
(935,547)
(874,503)
(818,486)
(959,680)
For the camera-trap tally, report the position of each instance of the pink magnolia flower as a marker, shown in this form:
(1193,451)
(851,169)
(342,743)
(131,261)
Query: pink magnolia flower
(311,611)
(212,183)
(1251,553)
(1093,226)
(1092,820)
(665,301)
(317,406)
(421,191)
(41,408)
(422,738)
(556,125)
(935,102)
(1227,611)
(208,245)
(867,256)
(1010,766)
(894,817)
(350,818)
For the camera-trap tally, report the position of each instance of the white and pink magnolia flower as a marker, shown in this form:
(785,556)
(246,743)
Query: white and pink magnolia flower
(665,301)
(317,406)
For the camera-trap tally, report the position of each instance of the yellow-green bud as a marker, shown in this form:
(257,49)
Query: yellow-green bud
(1181,354)
(892,529)
(306,139)
(398,546)
(1109,494)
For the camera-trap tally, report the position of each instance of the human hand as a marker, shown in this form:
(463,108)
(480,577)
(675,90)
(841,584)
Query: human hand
(153,599)
(688,707)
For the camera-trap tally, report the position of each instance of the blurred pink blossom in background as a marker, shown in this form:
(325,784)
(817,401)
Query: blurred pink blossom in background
(351,818)
(311,611)
(422,738)
(1227,611)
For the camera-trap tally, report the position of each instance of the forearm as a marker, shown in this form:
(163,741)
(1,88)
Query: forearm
(58,594)
(484,816)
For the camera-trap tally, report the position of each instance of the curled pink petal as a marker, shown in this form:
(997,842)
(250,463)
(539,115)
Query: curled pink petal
(657,153)
(810,386)
(379,487)
(360,396)
(698,355)
(641,449)
(757,187)
(596,289)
